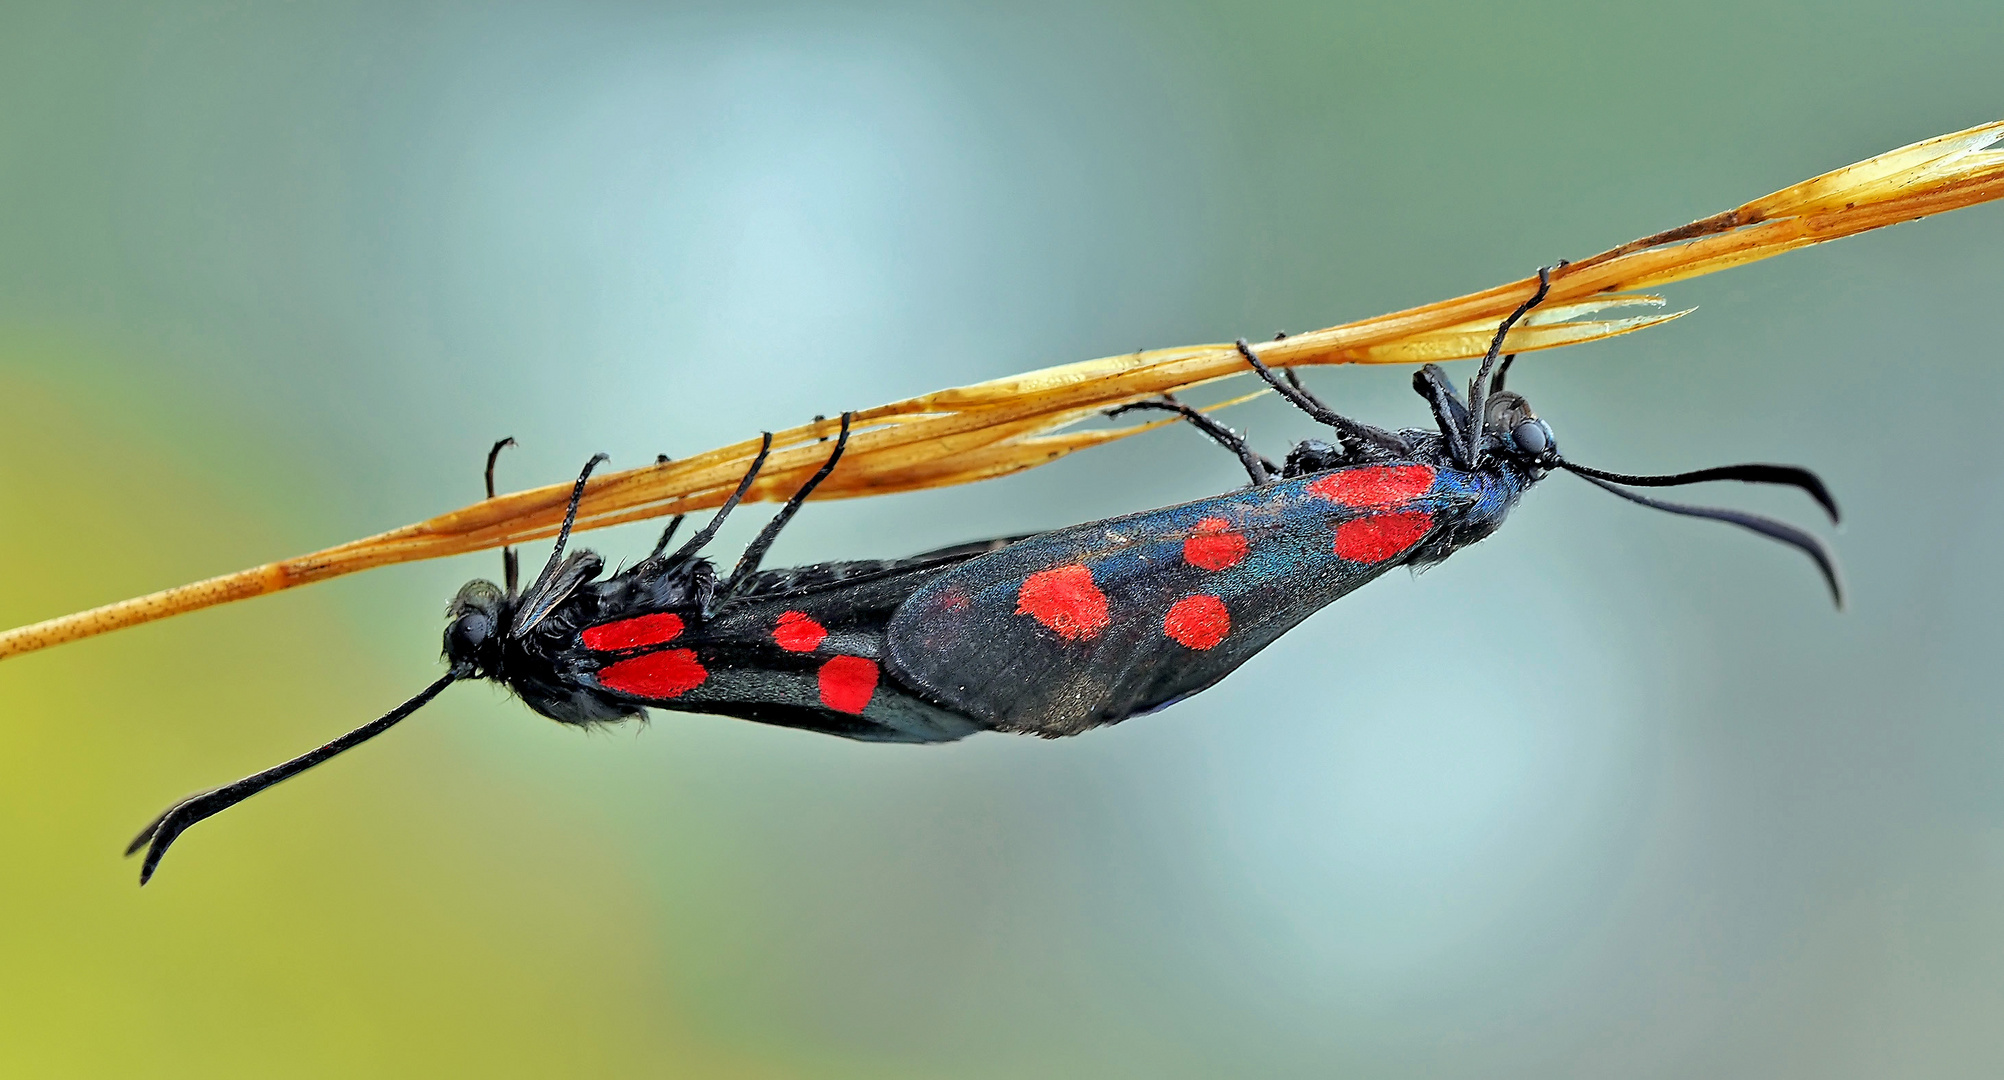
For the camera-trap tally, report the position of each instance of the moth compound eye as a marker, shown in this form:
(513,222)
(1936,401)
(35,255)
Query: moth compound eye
(467,634)
(1532,437)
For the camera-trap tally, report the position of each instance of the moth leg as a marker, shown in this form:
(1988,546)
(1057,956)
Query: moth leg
(562,574)
(1479,390)
(755,551)
(703,535)
(674,523)
(1356,437)
(570,516)
(667,534)
(1257,467)
(1448,411)
(1294,380)
(511,564)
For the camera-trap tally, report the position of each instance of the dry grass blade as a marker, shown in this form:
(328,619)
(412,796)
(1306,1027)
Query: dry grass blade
(994,428)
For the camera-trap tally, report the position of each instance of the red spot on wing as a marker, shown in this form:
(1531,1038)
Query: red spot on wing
(1064,599)
(848,682)
(798,633)
(666,674)
(1198,622)
(1377,485)
(1215,546)
(1377,538)
(633,633)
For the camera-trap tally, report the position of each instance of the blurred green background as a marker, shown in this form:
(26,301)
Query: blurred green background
(1612,794)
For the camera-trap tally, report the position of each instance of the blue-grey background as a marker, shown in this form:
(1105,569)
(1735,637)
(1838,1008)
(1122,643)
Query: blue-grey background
(1612,794)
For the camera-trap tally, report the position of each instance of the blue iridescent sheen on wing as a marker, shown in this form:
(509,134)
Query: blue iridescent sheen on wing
(1088,625)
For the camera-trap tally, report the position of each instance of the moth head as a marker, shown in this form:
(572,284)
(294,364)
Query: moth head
(473,639)
(1509,418)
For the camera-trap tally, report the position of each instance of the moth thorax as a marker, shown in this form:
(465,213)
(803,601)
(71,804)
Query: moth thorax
(473,638)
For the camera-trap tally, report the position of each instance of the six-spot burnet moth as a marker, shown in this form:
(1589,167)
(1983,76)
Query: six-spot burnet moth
(1049,634)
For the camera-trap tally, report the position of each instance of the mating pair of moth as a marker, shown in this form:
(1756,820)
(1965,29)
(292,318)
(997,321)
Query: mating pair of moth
(1047,634)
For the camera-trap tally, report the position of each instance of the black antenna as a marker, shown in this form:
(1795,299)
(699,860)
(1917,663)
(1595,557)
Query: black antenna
(161,834)
(1793,476)
(1774,530)
(511,565)
(755,552)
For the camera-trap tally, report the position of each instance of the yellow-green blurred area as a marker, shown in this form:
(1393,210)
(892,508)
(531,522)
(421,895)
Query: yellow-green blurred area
(1612,793)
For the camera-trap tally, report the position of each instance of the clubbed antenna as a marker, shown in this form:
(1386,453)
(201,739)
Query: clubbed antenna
(157,837)
(1794,476)
(1787,475)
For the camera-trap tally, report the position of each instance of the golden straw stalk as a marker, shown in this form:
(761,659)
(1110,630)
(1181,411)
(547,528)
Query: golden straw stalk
(1007,425)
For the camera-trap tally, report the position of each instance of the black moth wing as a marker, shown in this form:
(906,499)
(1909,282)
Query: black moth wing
(799,647)
(802,580)
(1089,625)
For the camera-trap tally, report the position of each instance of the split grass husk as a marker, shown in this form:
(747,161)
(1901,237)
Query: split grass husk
(990,429)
